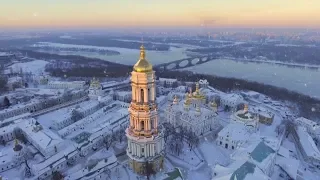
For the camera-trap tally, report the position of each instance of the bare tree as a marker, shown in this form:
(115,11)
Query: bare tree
(6,102)
(168,130)
(76,115)
(121,134)
(108,172)
(56,175)
(108,140)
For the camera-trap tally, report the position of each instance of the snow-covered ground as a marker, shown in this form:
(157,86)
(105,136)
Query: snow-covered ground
(36,67)
(214,154)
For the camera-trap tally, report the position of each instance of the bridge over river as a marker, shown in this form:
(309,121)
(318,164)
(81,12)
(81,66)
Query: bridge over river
(197,60)
(187,62)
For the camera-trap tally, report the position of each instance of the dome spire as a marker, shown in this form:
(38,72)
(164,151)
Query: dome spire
(142,52)
(142,65)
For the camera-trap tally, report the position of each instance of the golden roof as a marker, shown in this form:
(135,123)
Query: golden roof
(95,82)
(17,146)
(197,94)
(142,65)
(214,104)
(187,101)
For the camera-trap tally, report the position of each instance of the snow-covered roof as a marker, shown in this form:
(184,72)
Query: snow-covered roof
(290,165)
(109,162)
(308,143)
(306,121)
(244,171)
(14,79)
(161,98)
(203,81)
(261,111)
(261,152)
(43,167)
(44,138)
(7,129)
(232,98)
(235,132)
(244,115)
(251,93)
(123,93)
(168,80)
(284,152)
(67,82)
(15,118)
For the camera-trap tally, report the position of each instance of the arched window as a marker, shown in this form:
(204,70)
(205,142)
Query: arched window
(142,125)
(142,96)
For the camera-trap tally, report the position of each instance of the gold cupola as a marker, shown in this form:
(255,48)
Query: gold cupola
(246,108)
(214,104)
(187,100)
(17,146)
(142,65)
(197,94)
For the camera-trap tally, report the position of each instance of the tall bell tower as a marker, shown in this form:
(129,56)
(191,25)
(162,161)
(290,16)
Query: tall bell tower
(145,143)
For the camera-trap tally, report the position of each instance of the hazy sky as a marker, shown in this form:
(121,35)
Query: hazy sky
(120,13)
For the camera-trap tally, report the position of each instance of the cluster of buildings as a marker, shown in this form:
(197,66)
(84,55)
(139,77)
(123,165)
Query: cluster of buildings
(65,122)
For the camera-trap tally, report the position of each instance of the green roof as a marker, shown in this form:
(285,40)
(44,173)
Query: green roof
(261,152)
(174,174)
(243,170)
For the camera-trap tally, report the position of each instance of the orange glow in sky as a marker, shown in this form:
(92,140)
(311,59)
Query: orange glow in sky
(121,13)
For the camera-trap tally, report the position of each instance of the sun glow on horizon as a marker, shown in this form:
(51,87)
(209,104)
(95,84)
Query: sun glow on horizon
(128,13)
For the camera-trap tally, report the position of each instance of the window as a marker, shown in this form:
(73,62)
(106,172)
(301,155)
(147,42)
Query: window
(142,96)
(232,147)
(142,125)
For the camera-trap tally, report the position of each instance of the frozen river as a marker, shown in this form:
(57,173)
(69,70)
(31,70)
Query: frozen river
(302,80)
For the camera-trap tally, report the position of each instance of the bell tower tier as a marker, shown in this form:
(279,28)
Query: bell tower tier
(145,142)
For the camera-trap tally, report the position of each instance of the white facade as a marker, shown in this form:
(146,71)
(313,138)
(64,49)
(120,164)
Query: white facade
(167,81)
(203,83)
(95,89)
(37,104)
(7,133)
(249,120)
(306,145)
(192,114)
(233,136)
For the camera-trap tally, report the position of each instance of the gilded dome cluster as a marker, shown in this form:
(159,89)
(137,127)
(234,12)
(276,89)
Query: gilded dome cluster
(142,65)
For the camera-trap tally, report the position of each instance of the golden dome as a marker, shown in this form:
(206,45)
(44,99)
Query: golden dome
(197,94)
(214,104)
(187,101)
(142,65)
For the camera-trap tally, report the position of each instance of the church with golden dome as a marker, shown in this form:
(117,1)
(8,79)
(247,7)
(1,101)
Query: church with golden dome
(145,142)
(192,113)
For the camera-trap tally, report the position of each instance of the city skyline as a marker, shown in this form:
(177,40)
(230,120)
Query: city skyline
(143,13)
